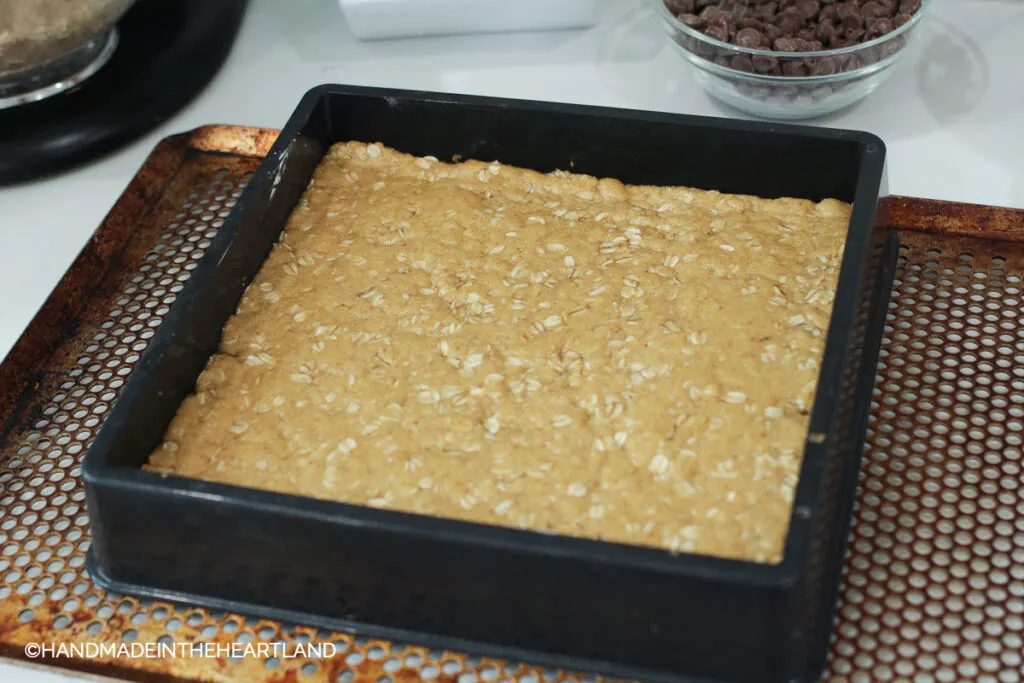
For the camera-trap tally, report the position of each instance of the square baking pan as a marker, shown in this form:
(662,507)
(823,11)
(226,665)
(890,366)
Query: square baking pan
(573,603)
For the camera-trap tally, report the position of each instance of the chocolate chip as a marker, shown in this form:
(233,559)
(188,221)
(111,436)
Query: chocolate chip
(823,66)
(681,6)
(846,62)
(717,32)
(771,32)
(723,23)
(891,47)
(794,69)
(743,63)
(766,10)
(701,48)
(720,19)
(790,22)
(692,20)
(786,45)
(871,9)
(826,32)
(852,22)
(748,38)
(764,64)
(888,7)
(847,9)
(909,6)
(869,55)
(791,26)
(808,9)
(879,27)
(709,14)
(810,46)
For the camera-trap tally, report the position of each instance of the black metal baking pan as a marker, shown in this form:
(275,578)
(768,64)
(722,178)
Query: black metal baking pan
(573,603)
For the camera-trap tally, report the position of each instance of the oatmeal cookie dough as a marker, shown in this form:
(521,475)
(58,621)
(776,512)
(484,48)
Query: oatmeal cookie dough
(552,352)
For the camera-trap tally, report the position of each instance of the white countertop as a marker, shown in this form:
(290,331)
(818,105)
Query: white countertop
(952,115)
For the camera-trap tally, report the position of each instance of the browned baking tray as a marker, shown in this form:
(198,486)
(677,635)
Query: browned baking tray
(934,579)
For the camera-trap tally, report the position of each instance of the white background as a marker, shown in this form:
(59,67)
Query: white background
(952,115)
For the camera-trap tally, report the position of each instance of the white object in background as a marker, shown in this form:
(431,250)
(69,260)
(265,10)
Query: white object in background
(379,19)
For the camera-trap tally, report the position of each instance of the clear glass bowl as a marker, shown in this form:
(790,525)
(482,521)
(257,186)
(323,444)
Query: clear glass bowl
(823,82)
(47,46)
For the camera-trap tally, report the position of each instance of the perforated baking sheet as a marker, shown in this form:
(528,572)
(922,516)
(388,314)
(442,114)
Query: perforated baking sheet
(933,588)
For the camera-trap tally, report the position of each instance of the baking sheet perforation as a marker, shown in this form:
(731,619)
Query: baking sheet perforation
(933,588)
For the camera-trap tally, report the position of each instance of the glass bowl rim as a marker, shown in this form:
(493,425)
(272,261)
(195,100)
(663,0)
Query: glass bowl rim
(671,19)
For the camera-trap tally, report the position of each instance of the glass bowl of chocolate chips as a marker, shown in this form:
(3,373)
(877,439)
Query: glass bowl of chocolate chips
(791,59)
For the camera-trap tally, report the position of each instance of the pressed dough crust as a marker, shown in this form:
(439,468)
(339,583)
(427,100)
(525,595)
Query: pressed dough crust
(546,351)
